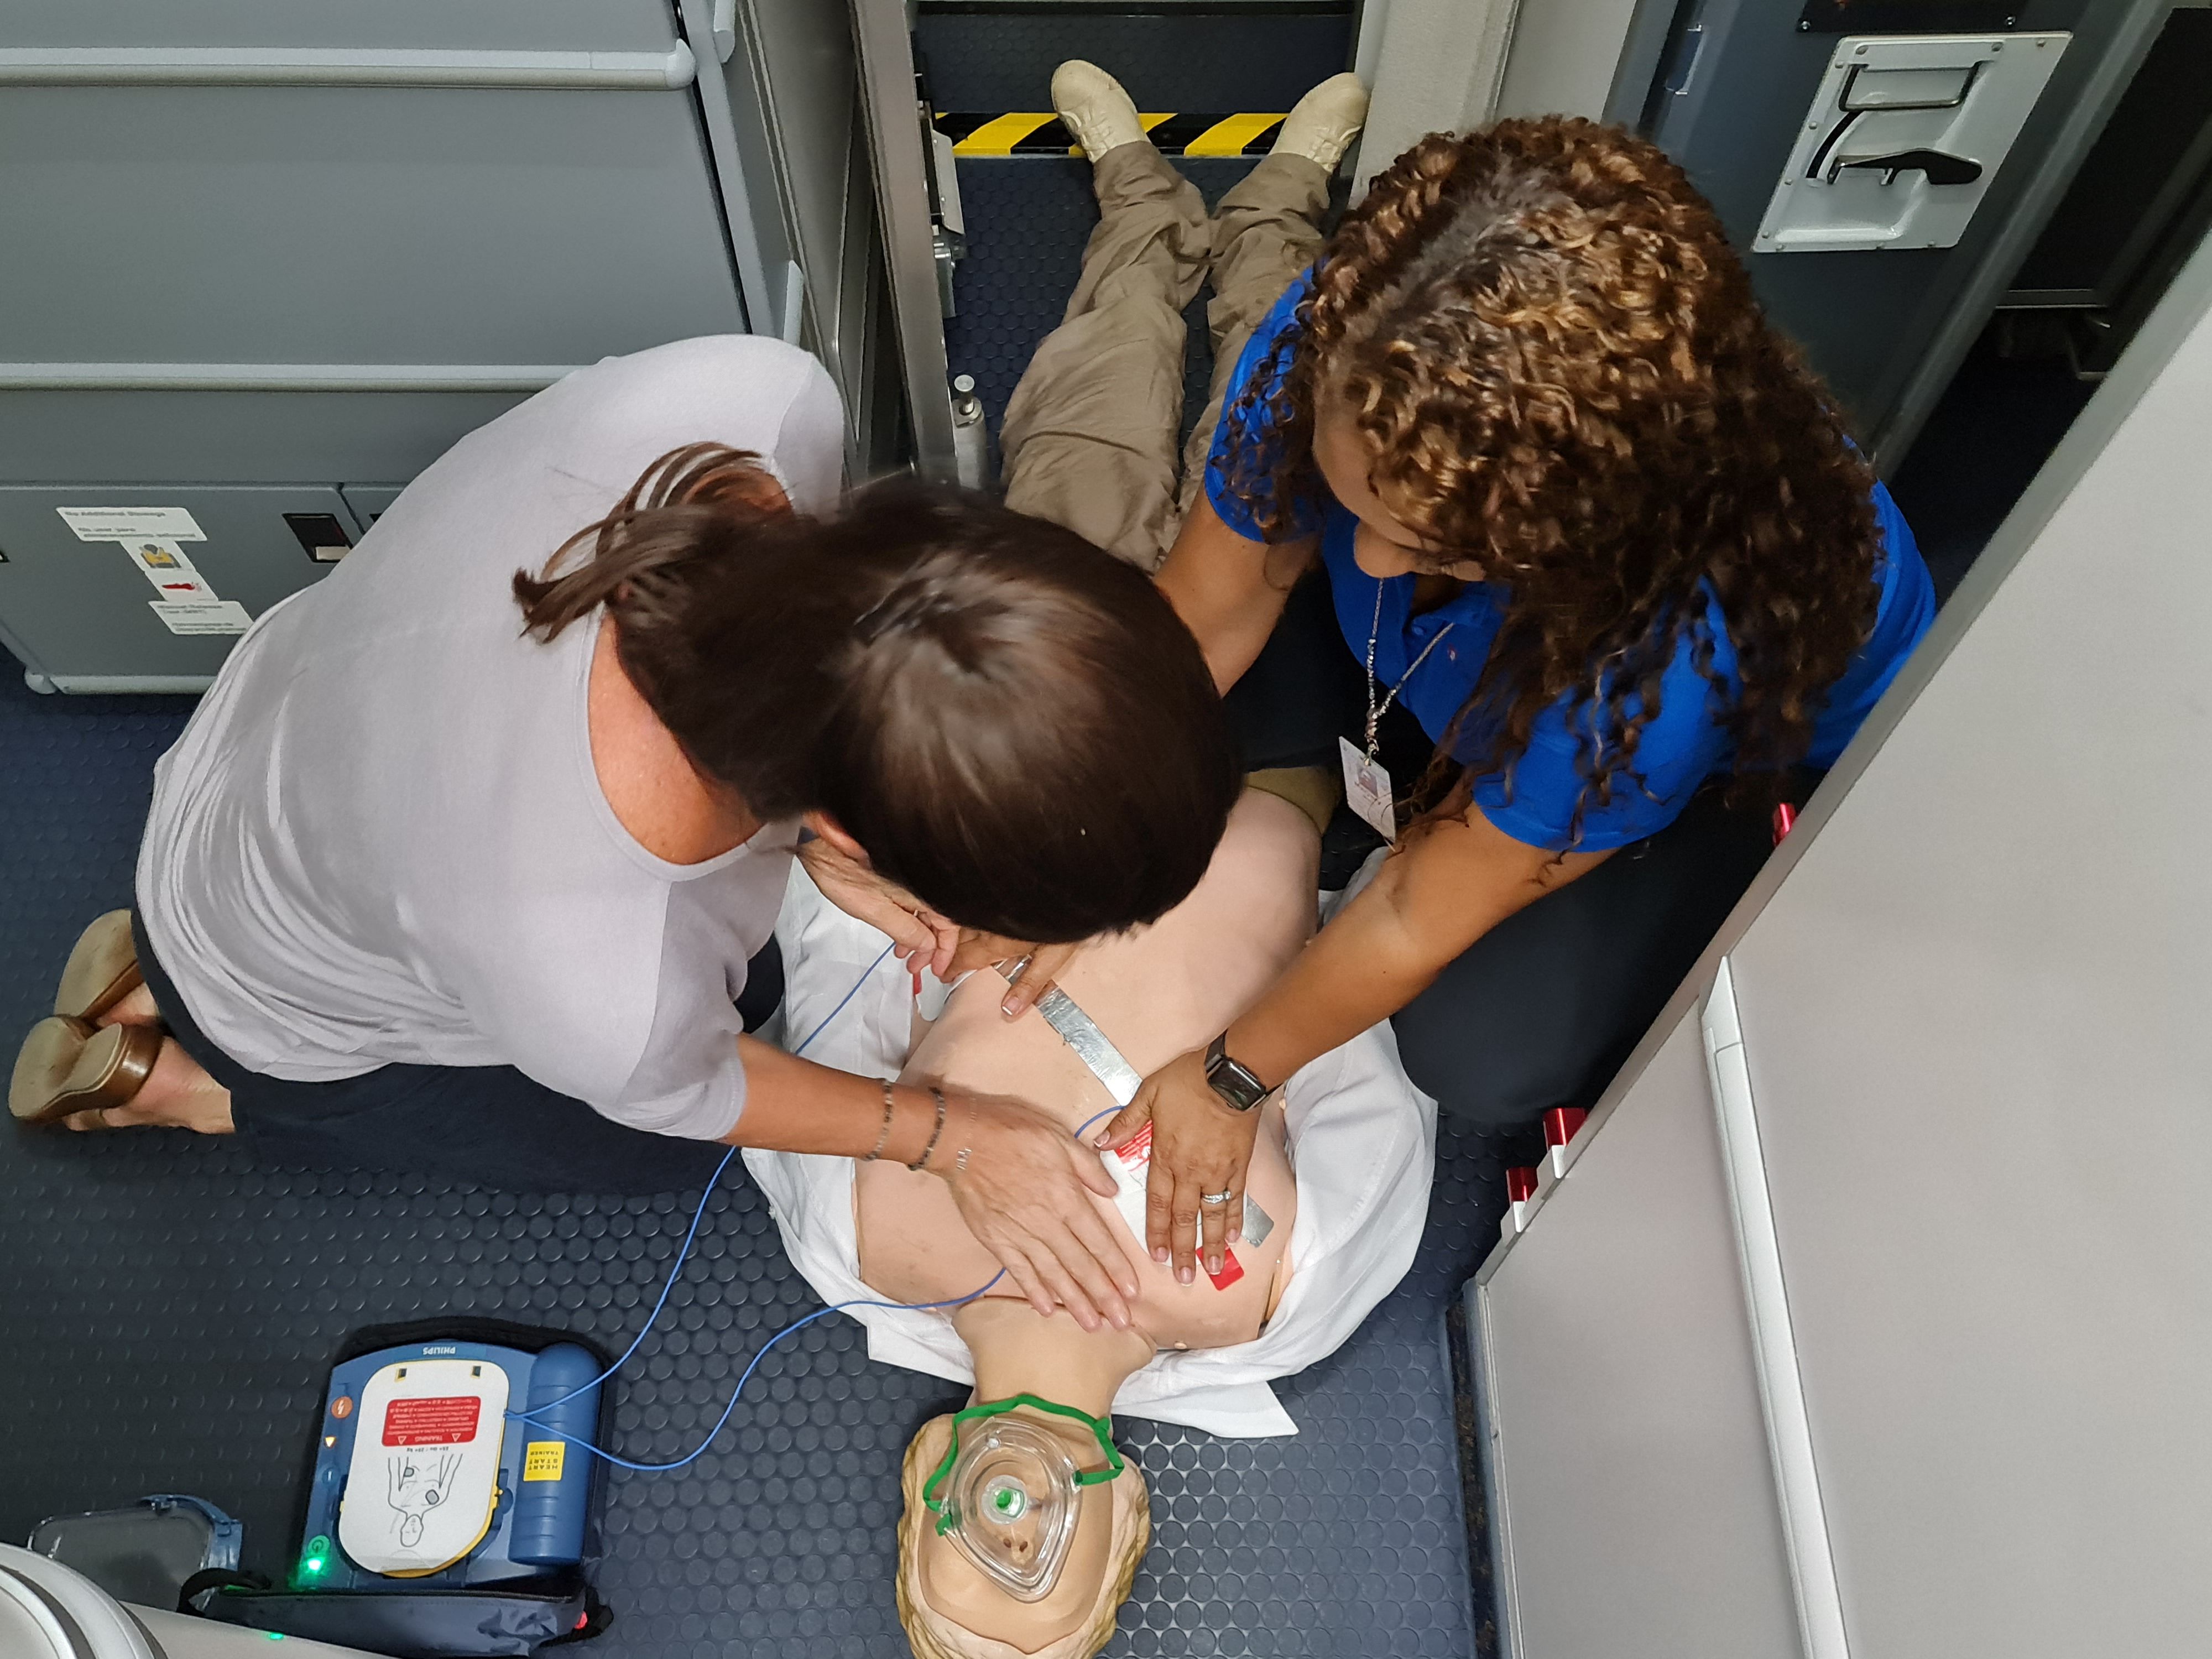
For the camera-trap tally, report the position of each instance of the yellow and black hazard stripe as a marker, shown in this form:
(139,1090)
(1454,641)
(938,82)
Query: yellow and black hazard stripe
(1046,135)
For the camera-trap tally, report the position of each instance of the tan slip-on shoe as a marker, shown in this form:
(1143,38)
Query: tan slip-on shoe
(1322,125)
(1098,113)
(66,1065)
(103,969)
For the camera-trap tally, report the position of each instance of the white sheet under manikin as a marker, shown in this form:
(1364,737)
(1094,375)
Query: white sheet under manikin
(1362,1146)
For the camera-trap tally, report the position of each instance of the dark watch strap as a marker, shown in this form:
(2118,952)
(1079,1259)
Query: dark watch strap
(1238,1089)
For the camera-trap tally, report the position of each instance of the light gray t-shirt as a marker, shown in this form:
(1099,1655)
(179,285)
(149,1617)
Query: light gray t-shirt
(381,838)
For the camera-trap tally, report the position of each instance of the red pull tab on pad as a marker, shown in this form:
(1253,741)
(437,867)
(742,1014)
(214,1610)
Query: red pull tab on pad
(1785,815)
(1520,1185)
(1561,1124)
(1231,1270)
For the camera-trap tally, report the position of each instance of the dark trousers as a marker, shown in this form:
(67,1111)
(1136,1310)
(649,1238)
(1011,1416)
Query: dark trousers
(1542,1010)
(1303,690)
(487,1124)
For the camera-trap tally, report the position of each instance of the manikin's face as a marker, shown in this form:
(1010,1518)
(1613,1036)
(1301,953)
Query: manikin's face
(952,1610)
(1385,546)
(956,1589)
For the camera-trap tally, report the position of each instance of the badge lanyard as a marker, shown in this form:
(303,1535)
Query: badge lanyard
(1366,780)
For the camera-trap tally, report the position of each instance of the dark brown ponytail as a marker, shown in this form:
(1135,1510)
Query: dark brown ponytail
(633,548)
(1015,726)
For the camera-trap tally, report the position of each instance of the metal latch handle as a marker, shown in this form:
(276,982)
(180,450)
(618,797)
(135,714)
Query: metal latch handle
(1941,169)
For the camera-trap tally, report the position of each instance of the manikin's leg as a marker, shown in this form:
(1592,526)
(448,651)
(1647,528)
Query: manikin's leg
(1267,232)
(1090,434)
(1264,233)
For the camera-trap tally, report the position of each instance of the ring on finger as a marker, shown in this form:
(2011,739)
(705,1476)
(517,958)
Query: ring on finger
(1216,1198)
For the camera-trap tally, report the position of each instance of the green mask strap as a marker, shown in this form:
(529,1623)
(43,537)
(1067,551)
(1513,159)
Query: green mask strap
(1100,1426)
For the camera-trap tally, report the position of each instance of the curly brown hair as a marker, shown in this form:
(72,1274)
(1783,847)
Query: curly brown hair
(1559,372)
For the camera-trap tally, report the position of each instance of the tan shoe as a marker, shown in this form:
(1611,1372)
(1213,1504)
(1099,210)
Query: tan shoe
(1098,113)
(66,1066)
(103,969)
(1322,125)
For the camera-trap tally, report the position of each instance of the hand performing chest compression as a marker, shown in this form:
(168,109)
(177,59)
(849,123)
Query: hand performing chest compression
(1152,993)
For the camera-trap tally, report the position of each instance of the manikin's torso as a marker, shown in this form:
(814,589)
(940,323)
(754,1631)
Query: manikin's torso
(1156,993)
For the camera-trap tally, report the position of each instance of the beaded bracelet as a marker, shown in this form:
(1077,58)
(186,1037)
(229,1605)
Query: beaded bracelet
(890,1104)
(937,1095)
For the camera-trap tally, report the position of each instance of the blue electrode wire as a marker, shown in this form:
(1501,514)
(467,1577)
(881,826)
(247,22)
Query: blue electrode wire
(699,1214)
(683,1254)
(866,973)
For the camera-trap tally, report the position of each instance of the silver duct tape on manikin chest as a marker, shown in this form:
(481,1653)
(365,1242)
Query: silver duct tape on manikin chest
(1097,1051)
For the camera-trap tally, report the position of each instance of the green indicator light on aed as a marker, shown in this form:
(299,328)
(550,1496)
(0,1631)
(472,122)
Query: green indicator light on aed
(317,1556)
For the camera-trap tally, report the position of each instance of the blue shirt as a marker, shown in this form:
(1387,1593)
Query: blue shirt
(1685,743)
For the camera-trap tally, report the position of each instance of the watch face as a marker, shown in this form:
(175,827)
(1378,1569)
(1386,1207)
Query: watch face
(1235,1084)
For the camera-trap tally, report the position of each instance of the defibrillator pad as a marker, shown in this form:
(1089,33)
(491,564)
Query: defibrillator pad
(1131,1167)
(423,1485)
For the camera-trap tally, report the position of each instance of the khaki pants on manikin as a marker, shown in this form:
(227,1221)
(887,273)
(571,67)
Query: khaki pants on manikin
(1089,433)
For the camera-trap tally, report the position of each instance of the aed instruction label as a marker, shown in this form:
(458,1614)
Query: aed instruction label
(1131,1167)
(441,1420)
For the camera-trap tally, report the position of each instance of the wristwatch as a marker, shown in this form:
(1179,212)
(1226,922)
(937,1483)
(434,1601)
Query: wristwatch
(1238,1089)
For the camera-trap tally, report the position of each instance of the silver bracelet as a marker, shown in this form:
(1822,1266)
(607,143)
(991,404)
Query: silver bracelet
(960,1158)
(922,1163)
(884,1134)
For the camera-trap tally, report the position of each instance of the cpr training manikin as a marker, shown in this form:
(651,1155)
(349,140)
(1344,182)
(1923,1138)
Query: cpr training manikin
(1024,1524)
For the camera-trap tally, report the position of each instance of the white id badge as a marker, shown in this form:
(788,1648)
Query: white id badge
(1367,788)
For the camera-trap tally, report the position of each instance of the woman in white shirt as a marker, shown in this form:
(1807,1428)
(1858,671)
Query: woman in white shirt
(460,863)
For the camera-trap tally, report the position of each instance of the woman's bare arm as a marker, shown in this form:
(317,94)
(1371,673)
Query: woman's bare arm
(1434,897)
(1230,590)
(1021,1191)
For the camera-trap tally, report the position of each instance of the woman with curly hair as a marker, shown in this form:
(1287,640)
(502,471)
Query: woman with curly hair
(1590,522)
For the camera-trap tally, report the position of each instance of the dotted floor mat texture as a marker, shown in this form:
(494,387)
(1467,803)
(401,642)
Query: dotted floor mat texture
(172,1310)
